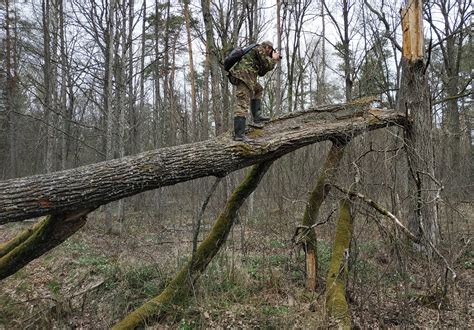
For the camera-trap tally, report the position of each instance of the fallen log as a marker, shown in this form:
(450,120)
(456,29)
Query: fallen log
(90,186)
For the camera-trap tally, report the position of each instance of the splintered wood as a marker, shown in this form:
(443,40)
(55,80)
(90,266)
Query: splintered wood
(412,25)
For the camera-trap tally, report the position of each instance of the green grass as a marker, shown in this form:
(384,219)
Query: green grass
(24,287)
(8,310)
(468,260)
(99,264)
(369,248)
(324,256)
(275,243)
(145,280)
(54,286)
(275,310)
(186,325)
(76,246)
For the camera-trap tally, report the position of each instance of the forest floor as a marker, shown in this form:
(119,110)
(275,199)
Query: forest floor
(256,281)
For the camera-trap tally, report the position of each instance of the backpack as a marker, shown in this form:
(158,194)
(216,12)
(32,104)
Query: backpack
(236,55)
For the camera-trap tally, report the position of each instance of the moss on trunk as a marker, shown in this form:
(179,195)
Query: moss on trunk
(336,304)
(40,238)
(177,292)
(7,247)
(316,199)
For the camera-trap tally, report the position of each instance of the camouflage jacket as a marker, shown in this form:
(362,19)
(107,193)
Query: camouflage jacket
(254,63)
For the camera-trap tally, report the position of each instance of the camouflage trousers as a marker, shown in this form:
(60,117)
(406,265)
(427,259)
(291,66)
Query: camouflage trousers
(243,94)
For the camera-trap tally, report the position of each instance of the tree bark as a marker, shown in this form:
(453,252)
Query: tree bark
(11,92)
(336,303)
(108,80)
(132,109)
(316,199)
(141,107)
(211,53)
(415,101)
(98,184)
(66,120)
(48,81)
(204,113)
(42,237)
(278,96)
(192,73)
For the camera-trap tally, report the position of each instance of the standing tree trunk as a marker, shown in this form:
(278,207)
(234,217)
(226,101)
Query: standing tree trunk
(67,116)
(192,76)
(142,78)
(108,88)
(132,110)
(168,120)
(108,93)
(204,134)
(336,303)
(321,96)
(48,80)
(11,90)
(415,101)
(120,77)
(158,117)
(278,96)
(451,26)
(211,53)
(175,114)
(346,50)
(345,42)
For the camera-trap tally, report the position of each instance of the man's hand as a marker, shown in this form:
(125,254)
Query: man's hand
(276,55)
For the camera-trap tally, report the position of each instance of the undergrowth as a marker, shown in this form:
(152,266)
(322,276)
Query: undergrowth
(93,280)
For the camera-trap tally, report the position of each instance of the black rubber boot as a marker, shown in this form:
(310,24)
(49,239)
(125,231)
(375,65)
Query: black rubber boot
(239,129)
(256,108)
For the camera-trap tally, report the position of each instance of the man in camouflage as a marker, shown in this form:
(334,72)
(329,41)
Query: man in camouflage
(243,75)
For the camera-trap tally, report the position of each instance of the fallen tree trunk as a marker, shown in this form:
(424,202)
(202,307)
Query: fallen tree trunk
(98,184)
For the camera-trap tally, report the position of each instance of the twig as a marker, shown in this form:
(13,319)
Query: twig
(381,210)
(308,228)
(201,213)
(87,289)
(443,258)
(405,230)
